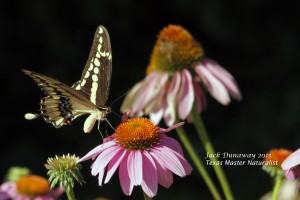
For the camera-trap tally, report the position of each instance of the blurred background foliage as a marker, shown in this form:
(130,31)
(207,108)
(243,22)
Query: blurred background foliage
(257,41)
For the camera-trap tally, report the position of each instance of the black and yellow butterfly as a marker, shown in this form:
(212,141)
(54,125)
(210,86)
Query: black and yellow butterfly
(63,103)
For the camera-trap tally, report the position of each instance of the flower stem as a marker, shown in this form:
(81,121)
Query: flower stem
(70,194)
(146,197)
(198,123)
(188,146)
(277,186)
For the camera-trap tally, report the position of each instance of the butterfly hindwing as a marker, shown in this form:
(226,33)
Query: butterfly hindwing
(62,104)
(95,79)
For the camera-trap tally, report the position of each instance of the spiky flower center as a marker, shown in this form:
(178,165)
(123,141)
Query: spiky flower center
(62,163)
(175,49)
(33,185)
(64,170)
(137,134)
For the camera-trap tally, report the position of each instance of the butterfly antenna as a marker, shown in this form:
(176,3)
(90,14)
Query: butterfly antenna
(116,114)
(110,124)
(110,105)
(99,129)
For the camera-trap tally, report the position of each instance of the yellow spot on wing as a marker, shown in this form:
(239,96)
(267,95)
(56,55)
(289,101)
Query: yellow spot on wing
(97,62)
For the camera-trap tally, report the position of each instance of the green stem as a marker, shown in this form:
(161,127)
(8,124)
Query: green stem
(209,149)
(277,186)
(70,194)
(188,146)
(146,197)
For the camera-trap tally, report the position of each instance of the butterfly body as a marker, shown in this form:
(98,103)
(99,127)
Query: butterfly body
(63,103)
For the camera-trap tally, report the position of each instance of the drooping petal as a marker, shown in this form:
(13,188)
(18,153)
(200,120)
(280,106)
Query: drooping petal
(146,92)
(187,167)
(164,175)
(97,150)
(44,197)
(292,173)
(170,113)
(213,85)
(56,192)
(175,162)
(168,160)
(104,158)
(186,95)
(100,176)
(199,97)
(162,130)
(129,99)
(171,143)
(9,187)
(114,164)
(156,116)
(126,183)
(224,76)
(150,182)
(156,94)
(291,161)
(135,166)
(125,116)
(4,196)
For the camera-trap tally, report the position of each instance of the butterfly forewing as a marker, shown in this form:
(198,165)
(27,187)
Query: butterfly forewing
(95,79)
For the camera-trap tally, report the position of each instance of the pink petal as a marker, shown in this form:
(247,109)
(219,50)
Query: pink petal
(186,95)
(156,116)
(126,183)
(9,187)
(135,166)
(130,97)
(200,97)
(4,196)
(150,182)
(114,164)
(165,176)
(100,176)
(146,91)
(214,86)
(291,161)
(171,143)
(56,192)
(125,116)
(104,158)
(170,114)
(224,76)
(155,100)
(162,130)
(169,160)
(97,150)
(179,164)
(187,167)
(44,197)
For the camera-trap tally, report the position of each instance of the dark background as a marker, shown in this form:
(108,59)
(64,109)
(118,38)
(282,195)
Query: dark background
(257,41)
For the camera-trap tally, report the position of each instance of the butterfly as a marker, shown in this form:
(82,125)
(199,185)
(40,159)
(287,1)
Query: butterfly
(63,103)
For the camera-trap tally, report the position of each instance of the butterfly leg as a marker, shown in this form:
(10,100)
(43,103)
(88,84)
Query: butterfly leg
(99,129)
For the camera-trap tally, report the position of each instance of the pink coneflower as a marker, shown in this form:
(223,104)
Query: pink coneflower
(172,85)
(274,159)
(144,154)
(31,187)
(291,166)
